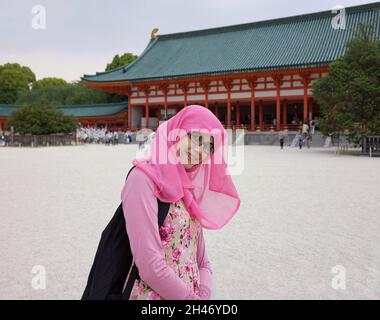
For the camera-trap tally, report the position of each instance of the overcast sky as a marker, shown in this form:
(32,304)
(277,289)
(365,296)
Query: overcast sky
(82,36)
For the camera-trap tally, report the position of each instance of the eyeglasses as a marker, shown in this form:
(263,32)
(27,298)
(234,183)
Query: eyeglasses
(198,139)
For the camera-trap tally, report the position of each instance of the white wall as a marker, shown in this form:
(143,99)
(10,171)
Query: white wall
(137,113)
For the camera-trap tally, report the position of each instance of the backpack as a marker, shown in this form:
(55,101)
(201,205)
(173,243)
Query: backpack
(113,262)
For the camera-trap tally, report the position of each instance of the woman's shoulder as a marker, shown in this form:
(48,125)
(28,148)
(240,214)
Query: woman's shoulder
(137,175)
(138,180)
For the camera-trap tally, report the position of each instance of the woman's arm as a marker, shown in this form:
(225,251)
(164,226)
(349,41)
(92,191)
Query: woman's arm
(141,214)
(205,269)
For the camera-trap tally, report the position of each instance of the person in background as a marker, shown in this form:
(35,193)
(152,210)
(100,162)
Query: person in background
(308,139)
(126,137)
(116,137)
(312,126)
(305,128)
(281,137)
(300,139)
(107,138)
(2,138)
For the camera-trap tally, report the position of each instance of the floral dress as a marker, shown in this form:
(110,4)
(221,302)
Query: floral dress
(179,237)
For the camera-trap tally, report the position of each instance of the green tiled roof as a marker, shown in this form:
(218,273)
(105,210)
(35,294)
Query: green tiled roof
(95,110)
(90,110)
(299,41)
(7,109)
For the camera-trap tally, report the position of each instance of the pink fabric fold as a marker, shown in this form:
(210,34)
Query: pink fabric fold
(207,190)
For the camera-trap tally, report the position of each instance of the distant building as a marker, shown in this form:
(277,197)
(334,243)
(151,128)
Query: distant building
(106,115)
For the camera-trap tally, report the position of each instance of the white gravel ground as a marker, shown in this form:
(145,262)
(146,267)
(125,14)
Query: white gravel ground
(303,212)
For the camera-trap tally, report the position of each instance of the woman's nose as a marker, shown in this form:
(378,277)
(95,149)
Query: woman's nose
(198,149)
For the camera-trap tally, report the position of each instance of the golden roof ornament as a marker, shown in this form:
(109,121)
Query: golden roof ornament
(153,34)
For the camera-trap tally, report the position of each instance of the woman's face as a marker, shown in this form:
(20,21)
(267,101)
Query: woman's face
(194,148)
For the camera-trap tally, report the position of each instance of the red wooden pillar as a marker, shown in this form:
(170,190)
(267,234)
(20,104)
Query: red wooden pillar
(285,120)
(253,109)
(305,107)
(228,85)
(165,88)
(252,84)
(129,115)
(229,110)
(278,110)
(238,113)
(305,80)
(166,105)
(146,112)
(311,108)
(146,90)
(277,79)
(261,115)
(184,87)
(205,86)
(128,93)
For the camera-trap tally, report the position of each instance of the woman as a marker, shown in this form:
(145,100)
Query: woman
(187,167)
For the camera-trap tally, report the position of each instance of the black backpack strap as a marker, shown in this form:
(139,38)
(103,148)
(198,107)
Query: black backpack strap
(129,172)
(163,209)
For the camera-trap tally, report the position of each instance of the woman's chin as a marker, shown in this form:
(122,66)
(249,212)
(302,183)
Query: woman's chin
(188,166)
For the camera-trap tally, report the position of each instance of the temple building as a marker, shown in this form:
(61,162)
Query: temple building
(108,115)
(257,76)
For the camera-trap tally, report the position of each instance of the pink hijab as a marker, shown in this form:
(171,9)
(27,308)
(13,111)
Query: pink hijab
(207,189)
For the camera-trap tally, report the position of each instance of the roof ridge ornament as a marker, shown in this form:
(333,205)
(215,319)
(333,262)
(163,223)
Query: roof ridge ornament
(153,34)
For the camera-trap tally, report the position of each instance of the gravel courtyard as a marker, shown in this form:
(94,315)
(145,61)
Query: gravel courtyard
(303,213)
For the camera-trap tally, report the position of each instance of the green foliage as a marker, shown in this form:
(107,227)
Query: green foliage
(81,94)
(41,120)
(349,95)
(118,61)
(58,94)
(14,79)
(47,82)
(18,85)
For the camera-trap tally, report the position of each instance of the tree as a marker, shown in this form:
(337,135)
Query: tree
(41,120)
(81,94)
(14,79)
(57,93)
(118,61)
(349,95)
(47,82)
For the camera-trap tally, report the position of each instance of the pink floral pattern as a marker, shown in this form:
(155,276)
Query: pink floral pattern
(179,237)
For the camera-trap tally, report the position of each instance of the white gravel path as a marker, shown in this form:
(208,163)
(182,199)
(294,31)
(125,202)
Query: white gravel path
(302,213)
